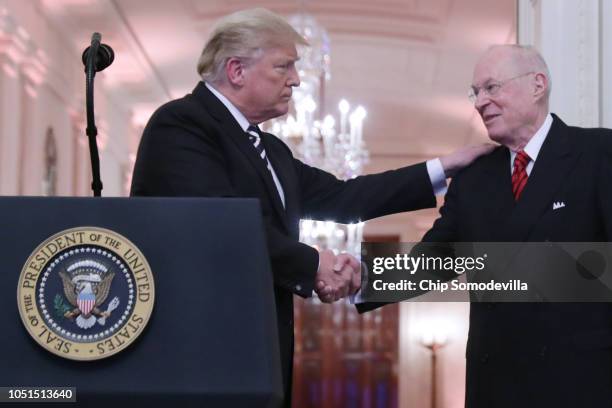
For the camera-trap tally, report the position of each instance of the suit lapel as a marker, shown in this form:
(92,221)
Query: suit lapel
(232,129)
(495,192)
(283,166)
(554,162)
(243,143)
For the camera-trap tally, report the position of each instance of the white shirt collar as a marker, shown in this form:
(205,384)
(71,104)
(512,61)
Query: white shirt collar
(535,143)
(240,118)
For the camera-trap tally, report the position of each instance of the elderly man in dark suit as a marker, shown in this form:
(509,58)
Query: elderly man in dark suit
(208,144)
(533,354)
(547,182)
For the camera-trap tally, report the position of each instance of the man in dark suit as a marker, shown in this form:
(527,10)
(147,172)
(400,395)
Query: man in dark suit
(208,144)
(548,182)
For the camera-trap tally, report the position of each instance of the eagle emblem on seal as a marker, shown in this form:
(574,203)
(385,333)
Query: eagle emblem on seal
(86,286)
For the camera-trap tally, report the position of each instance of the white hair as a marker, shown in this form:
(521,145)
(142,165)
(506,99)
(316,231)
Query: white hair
(527,57)
(244,34)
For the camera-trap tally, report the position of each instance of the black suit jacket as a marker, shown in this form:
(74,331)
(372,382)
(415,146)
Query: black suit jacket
(193,146)
(537,354)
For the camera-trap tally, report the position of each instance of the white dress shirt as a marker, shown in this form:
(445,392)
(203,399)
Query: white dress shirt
(535,144)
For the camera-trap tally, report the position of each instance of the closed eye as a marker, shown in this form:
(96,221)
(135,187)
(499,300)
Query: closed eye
(285,65)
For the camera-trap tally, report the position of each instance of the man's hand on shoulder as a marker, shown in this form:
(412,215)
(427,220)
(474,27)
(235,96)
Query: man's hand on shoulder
(463,157)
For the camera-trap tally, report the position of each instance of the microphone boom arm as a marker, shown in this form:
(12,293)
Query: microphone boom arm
(96,57)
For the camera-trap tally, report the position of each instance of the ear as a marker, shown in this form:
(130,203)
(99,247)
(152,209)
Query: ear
(540,85)
(234,70)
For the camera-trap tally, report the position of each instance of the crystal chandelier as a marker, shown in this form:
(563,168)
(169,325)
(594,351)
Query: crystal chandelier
(339,150)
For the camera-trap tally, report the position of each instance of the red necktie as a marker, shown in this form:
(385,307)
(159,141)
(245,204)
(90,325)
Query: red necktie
(519,175)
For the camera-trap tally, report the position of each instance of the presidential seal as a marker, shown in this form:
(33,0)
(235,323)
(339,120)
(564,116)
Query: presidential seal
(85,293)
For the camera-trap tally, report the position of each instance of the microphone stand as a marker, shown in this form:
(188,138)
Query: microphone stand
(92,131)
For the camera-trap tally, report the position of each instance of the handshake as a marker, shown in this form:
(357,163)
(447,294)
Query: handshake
(338,276)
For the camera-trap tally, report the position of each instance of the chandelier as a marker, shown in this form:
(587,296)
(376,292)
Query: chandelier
(336,146)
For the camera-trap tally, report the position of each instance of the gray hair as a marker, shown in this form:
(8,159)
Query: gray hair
(244,34)
(527,56)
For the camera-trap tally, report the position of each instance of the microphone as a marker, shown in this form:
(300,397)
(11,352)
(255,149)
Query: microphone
(104,54)
(96,57)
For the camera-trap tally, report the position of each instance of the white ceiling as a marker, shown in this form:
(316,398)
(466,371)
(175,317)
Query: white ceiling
(408,62)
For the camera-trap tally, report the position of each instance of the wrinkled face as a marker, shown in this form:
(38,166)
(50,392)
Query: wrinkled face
(268,82)
(512,106)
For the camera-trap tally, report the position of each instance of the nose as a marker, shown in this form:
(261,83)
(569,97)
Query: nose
(293,77)
(482,99)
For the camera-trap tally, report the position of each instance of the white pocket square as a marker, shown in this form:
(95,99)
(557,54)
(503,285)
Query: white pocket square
(558,204)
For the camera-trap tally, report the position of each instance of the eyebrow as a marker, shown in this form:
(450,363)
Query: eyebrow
(483,82)
(287,58)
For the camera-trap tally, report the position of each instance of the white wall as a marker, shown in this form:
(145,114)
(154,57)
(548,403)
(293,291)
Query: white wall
(114,154)
(575,38)
(9,127)
(606,68)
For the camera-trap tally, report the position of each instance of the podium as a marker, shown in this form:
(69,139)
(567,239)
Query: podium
(211,340)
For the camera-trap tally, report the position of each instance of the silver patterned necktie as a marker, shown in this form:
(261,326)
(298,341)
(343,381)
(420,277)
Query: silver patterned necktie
(255,137)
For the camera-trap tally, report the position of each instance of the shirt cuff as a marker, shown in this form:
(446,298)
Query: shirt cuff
(318,266)
(357,298)
(437,176)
